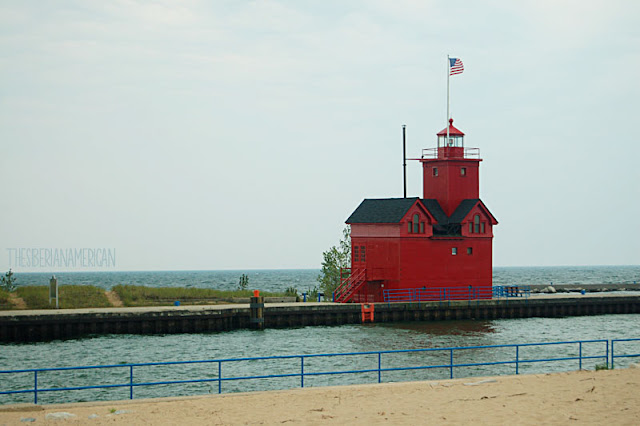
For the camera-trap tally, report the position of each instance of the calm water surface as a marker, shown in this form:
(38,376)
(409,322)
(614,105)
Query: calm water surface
(115,349)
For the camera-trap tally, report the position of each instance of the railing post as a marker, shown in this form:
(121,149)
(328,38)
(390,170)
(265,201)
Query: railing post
(131,382)
(517,359)
(35,387)
(379,367)
(612,355)
(219,376)
(256,311)
(451,364)
(580,355)
(302,371)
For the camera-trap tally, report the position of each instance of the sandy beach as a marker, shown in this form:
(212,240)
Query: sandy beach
(579,397)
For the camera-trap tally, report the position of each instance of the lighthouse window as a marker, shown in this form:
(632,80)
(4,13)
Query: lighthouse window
(435,171)
(362,253)
(469,250)
(482,227)
(471,227)
(463,171)
(415,226)
(476,224)
(454,251)
(356,253)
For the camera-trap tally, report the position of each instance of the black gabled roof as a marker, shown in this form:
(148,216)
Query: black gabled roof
(385,210)
(465,207)
(392,210)
(436,211)
(463,210)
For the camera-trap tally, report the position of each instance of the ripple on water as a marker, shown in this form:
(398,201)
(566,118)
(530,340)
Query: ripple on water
(118,349)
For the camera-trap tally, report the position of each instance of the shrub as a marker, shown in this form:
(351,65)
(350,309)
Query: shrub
(333,261)
(291,292)
(8,282)
(243,284)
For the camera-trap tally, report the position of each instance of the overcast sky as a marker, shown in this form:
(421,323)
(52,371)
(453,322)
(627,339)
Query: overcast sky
(242,134)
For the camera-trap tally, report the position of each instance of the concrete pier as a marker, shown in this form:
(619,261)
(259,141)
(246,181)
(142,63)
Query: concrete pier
(43,325)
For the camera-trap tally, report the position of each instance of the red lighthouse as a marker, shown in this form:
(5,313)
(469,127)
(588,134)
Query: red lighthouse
(434,247)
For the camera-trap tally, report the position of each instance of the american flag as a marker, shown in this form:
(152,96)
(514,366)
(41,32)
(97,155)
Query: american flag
(455,66)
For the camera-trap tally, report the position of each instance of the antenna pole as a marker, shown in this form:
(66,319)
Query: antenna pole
(448,74)
(404,158)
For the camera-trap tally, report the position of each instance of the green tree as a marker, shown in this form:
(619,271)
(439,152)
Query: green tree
(8,282)
(333,259)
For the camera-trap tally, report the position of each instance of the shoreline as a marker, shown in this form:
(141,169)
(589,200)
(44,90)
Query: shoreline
(577,397)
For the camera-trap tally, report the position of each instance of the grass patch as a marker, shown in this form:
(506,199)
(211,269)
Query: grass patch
(36,297)
(138,295)
(71,297)
(4,300)
(88,296)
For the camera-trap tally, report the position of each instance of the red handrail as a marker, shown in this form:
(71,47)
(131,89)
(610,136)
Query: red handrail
(349,285)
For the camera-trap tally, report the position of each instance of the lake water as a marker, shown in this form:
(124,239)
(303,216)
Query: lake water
(117,349)
(305,279)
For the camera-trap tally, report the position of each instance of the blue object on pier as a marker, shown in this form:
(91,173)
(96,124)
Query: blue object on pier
(176,303)
(583,292)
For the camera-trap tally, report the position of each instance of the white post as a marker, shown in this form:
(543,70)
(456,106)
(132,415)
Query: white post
(53,290)
(448,75)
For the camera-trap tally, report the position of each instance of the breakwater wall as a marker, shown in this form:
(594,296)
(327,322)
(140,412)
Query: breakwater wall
(28,326)
(589,288)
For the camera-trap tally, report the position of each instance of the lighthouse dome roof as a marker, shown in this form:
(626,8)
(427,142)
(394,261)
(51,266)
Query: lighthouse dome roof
(452,130)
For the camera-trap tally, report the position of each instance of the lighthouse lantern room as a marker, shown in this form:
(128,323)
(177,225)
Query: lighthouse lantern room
(430,248)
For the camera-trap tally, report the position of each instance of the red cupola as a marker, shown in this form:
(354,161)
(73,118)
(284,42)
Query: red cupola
(450,142)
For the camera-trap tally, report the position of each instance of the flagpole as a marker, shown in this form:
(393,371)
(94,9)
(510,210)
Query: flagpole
(448,75)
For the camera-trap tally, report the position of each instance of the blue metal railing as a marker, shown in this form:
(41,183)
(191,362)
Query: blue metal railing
(511,291)
(516,360)
(430,294)
(628,355)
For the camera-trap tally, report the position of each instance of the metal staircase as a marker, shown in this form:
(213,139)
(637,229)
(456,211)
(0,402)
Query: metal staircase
(351,280)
